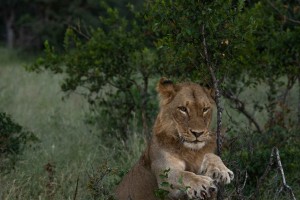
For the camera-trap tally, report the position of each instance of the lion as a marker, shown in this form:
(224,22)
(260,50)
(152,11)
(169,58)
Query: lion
(179,158)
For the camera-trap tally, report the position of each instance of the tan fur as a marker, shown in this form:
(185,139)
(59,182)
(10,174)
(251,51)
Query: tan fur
(182,143)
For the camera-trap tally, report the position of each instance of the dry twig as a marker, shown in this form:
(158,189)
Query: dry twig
(239,190)
(275,163)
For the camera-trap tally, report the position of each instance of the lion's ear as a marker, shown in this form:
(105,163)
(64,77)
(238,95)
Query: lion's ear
(166,89)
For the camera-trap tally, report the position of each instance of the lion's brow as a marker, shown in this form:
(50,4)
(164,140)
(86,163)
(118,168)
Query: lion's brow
(196,97)
(193,94)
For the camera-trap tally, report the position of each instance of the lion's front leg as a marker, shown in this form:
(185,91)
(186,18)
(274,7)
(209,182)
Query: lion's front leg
(171,176)
(213,166)
(190,185)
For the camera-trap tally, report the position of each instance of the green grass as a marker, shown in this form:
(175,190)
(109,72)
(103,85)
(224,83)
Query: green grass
(76,149)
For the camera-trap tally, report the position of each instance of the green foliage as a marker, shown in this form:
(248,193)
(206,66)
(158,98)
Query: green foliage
(162,191)
(268,41)
(112,68)
(12,141)
(250,153)
(182,28)
(242,40)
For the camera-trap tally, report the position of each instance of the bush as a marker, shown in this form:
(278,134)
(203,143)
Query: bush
(250,153)
(13,139)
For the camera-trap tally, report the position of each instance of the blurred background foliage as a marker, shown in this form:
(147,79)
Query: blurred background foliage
(106,57)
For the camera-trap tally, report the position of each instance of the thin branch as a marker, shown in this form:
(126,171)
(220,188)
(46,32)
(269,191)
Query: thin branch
(239,186)
(280,169)
(139,87)
(263,177)
(291,82)
(245,180)
(217,91)
(284,16)
(240,106)
(76,189)
(275,163)
(218,103)
(78,30)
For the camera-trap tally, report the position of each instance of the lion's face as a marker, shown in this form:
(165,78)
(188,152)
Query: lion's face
(187,108)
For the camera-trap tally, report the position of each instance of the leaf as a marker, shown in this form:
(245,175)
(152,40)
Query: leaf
(164,184)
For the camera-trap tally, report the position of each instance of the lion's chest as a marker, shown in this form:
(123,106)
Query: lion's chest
(193,163)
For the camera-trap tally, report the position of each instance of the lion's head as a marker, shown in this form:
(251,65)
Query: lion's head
(185,113)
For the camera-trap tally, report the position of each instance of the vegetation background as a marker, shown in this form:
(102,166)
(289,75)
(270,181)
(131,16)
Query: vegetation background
(78,100)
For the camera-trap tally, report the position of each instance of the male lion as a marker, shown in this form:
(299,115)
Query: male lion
(179,158)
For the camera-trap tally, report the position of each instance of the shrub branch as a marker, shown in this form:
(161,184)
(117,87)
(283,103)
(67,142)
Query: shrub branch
(211,69)
(76,189)
(275,163)
(240,106)
(217,91)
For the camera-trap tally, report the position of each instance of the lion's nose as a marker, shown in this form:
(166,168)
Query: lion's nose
(197,133)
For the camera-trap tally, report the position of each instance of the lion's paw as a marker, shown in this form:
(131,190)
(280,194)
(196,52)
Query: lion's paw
(213,167)
(201,188)
(220,173)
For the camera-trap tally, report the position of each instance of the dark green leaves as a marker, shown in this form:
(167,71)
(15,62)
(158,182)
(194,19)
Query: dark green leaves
(12,141)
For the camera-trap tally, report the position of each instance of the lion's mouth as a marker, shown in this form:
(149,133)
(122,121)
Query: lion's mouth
(195,144)
(192,142)
(195,141)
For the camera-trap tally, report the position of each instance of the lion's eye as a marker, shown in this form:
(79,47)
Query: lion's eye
(182,108)
(205,109)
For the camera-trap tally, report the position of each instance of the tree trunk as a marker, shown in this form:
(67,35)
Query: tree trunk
(10,34)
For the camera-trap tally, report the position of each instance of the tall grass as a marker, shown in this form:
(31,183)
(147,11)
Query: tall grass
(73,149)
